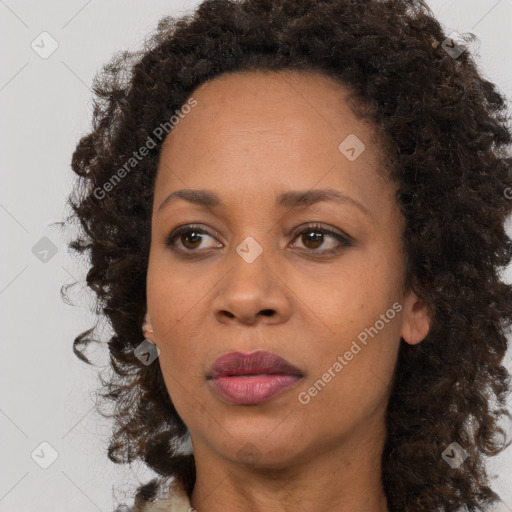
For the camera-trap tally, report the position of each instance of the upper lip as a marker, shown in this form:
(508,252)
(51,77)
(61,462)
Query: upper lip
(238,363)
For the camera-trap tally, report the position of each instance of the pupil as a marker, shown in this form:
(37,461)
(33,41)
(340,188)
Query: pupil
(315,237)
(192,234)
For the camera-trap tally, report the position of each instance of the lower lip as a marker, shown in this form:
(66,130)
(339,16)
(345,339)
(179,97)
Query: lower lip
(252,389)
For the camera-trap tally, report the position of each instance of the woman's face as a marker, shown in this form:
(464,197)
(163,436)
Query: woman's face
(243,279)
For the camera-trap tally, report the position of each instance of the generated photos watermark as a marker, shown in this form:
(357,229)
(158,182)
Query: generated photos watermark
(304,397)
(159,133)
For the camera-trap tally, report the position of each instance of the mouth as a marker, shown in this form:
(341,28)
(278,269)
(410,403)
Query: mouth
(249,379)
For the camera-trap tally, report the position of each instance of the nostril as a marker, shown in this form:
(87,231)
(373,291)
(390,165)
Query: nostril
(267,312)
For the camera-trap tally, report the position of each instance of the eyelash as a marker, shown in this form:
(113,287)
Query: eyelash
(345,240)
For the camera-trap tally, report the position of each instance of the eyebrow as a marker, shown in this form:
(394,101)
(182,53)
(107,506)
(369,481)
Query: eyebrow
(290,199)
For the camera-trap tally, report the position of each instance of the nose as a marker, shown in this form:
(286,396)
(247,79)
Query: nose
(252,292)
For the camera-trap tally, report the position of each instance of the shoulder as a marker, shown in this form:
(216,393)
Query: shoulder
(176,500)
(163,505)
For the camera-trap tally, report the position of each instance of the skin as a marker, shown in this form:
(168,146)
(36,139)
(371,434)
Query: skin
(251,137)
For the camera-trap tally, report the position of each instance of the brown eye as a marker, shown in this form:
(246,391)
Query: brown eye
(314,237)
(190,238)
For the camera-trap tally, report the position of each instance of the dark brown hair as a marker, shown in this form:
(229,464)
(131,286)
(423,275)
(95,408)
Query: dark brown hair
(447,135)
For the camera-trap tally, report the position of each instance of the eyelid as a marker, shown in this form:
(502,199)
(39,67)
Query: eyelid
(343,238)
(323,228)
(185,228)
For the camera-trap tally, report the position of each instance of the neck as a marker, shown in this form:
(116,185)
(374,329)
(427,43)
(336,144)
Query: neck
(341,478)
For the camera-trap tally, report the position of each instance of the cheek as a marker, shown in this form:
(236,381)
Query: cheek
(350,297)
(183,376)
(351,315)
(176,299)
(169,294)
(352,366)
(173,304)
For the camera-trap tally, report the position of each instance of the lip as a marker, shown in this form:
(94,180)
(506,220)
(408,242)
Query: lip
(252,378)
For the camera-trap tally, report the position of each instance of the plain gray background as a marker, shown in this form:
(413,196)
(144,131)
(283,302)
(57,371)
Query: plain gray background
(45,108)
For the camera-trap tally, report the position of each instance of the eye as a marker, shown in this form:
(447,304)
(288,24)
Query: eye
(190,237)
(316,239)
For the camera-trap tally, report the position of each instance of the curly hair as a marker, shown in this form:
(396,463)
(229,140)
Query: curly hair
(447,135)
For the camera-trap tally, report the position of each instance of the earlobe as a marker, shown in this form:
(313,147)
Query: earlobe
(147,328)
(416,320)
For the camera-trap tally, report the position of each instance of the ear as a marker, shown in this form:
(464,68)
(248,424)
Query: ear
(147,328)
(416,320)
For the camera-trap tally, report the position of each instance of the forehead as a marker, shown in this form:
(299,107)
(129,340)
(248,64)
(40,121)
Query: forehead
(287,103)
(284,127)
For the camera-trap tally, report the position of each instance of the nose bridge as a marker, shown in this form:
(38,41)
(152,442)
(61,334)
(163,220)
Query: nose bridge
(251,286)
(251,263)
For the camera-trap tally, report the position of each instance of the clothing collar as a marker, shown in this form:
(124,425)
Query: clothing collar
(176,500)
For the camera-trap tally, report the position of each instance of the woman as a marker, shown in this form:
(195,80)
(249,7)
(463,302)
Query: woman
(300,206)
